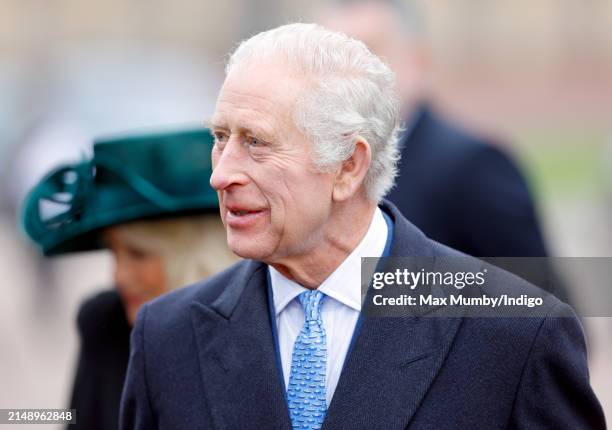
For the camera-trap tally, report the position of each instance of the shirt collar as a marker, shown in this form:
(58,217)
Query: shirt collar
(344,283)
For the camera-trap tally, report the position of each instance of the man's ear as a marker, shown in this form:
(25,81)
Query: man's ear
(352,172)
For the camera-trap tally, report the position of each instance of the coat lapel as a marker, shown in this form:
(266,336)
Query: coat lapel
(394,360)
(237,355)
(392,364)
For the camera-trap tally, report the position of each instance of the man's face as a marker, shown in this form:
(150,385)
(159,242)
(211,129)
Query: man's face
(273,202)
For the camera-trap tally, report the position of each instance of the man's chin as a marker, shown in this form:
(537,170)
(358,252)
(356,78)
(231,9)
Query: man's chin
(249,254)
(250,249)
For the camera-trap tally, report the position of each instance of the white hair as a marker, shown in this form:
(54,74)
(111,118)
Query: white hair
(352,94)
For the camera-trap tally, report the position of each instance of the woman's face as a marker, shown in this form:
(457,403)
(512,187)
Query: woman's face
(139,274)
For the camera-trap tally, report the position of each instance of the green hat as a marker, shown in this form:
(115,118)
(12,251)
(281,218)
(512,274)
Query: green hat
(128,178)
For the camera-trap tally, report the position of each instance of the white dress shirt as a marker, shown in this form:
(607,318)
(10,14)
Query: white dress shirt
(339,310)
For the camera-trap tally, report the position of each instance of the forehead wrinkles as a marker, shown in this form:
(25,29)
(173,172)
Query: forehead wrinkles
(243,116)
(243,98)
(240,112)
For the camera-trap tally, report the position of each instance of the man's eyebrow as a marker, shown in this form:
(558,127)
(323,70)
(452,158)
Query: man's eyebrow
(261,132)
(257,131)
(215,123)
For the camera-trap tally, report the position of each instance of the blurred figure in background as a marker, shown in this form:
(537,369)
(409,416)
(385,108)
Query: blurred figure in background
(148,200)
(460,189)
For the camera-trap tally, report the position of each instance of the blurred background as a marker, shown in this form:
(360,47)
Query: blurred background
(535,75)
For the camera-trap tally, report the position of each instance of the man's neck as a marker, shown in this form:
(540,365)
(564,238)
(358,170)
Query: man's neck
(348,225)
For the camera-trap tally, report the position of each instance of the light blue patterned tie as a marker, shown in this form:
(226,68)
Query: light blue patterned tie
(306,390)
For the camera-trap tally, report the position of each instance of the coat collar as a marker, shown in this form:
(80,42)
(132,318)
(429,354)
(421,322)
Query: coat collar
(390,367)
(237,354)
(394,360)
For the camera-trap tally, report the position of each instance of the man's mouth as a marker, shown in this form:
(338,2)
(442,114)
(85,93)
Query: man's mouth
(243,212)
(241,217)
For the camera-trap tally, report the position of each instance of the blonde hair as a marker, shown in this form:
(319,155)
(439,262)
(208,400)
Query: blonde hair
(192,248)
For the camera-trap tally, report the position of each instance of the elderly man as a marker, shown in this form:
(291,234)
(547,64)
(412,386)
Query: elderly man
(306,147)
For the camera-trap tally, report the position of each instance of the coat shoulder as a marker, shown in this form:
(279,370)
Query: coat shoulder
(498,281)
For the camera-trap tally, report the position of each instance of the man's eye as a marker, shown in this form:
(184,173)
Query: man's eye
(253,141)
(220,136)
(220,139)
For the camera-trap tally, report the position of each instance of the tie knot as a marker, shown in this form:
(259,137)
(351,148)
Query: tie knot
(311,303)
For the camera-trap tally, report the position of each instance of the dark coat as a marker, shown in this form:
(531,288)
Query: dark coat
(467,193)
(464,192)
(105,339)
(204,357)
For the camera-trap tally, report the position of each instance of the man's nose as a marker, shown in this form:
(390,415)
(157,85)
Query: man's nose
(228,166)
